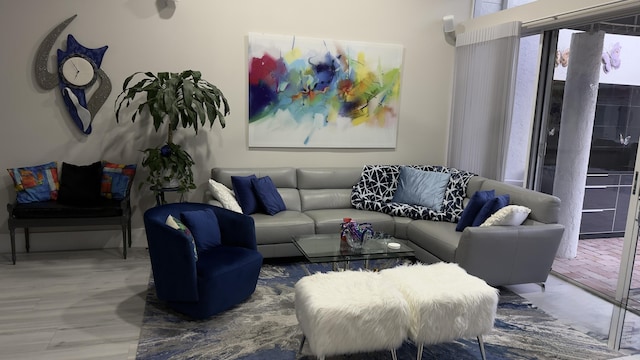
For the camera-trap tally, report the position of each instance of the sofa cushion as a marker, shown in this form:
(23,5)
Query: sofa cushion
(477,201)
(267,195)
(378,183)
(283,225)
(204,227)
(328,221)
(417,187)
(438,237)
(80,184)
(489,208)
(35,183)
(245,194)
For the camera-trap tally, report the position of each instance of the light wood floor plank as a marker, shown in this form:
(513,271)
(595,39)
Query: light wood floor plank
(73,305)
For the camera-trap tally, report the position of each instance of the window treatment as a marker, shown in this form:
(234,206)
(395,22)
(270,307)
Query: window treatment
(483,89)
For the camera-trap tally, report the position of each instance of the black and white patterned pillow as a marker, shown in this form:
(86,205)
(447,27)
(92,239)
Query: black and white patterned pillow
(378,183)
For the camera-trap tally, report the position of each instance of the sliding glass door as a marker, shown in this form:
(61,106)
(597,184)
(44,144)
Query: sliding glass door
(625,319)
(606,263)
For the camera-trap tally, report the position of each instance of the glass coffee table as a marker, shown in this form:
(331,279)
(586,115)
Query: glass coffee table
(329,248)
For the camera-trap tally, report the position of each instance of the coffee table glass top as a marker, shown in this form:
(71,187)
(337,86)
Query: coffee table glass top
(329,248)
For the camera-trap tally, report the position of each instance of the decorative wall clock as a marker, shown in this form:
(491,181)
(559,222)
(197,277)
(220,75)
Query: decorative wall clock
(78,70)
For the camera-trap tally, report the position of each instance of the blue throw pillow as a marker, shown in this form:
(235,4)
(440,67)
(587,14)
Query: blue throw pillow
(268,195)
(476,202)
(204,228)
(489,208)
(243,188)
(424,188)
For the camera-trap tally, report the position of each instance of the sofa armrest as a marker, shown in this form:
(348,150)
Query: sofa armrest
(526,251)
(236,229)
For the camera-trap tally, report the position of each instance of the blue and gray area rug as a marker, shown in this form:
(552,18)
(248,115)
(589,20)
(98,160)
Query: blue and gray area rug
(265,327)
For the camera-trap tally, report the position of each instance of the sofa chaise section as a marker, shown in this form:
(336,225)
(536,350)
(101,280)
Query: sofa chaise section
(501,255)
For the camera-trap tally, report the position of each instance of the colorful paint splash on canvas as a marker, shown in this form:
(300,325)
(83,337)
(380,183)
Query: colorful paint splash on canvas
(306,92)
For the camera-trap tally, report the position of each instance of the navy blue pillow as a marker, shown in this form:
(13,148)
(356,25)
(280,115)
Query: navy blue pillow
(204,228)
(268,195)
(243,188)
(476,202)
(490,207)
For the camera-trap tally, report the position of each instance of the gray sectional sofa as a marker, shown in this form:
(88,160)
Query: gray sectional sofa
(317,199)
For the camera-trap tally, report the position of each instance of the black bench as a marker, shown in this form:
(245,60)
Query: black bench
(54,214)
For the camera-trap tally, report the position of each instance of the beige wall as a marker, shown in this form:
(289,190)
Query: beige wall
(210,35)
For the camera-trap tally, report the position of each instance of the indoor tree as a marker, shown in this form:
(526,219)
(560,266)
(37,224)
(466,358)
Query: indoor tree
(172,99)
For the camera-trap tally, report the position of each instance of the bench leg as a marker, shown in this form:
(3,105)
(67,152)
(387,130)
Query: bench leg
(129,230)
(124,240)
(12,234)
(26,239)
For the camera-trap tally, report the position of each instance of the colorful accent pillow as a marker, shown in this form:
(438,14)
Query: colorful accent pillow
(36,183)
(116,180)
(80,184)
(490,207)
(178,225)
(474,205)
(268,195)
(425,188)
(223,194)
(204,227)
(510,215)
(243,188)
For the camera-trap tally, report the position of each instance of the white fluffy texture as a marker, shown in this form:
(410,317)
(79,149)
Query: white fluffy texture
(226,197)
(349,312)
(171,222)
(446,303)
(510,215)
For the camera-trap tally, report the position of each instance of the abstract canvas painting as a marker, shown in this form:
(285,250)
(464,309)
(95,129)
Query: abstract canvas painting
(320,93)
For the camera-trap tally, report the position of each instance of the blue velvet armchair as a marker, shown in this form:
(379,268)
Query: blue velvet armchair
(201,281)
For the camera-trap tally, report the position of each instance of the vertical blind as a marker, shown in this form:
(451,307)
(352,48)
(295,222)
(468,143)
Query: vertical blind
(483,90)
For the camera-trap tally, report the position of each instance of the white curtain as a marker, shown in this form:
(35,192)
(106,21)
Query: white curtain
(484,84)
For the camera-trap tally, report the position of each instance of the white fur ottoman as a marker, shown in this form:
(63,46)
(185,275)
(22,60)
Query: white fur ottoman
(349,312)
(445,302)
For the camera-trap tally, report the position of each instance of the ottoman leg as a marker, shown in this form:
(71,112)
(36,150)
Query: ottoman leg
(481,343)
(302,343)
(394,355)
(420,348)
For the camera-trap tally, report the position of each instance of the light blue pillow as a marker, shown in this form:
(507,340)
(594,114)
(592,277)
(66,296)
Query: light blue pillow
(424,188)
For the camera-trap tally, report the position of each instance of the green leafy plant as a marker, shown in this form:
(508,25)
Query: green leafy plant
(172,99)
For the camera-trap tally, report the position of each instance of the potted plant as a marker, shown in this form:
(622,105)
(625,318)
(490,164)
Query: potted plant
(172,99)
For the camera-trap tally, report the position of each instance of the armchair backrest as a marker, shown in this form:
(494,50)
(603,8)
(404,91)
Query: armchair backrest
(171,253)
